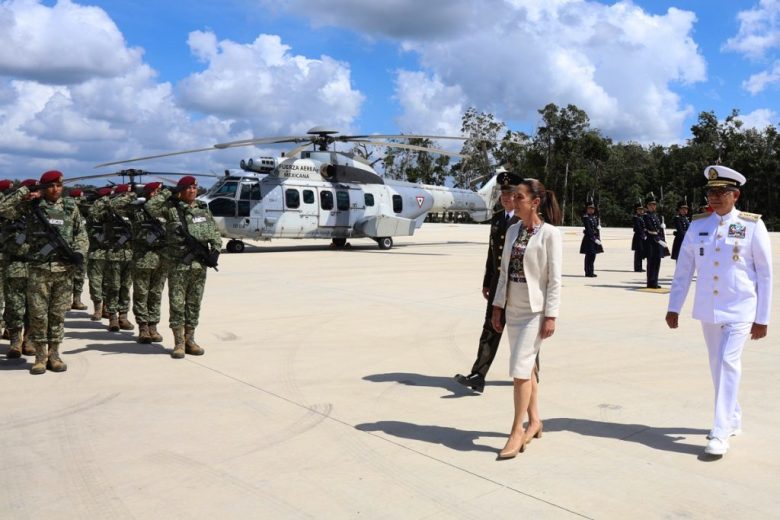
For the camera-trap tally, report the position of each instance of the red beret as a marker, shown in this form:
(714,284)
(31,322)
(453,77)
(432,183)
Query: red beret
(5,185)
(76,192)
(122,188)
(102,192)
(187,180)
(150,187)
(51,176)
(28,182)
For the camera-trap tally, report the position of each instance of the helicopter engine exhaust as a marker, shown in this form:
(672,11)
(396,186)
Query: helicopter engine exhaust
(258,164)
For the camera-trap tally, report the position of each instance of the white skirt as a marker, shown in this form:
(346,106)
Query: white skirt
(523,328)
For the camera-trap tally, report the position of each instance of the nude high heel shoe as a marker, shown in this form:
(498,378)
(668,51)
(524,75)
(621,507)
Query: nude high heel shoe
(527,439)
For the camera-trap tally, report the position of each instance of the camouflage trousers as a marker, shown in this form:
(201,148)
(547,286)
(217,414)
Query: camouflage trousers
(49,295)
(119,279)
(185,292)
(2,292)
(147,293)
(15,302)
(96,268)
(78,279)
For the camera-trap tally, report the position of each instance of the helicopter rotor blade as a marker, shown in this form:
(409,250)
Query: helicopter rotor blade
(295,151)
(148,157)
(410,147)
(399,136)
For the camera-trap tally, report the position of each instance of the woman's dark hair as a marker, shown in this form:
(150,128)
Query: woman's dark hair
(548,206)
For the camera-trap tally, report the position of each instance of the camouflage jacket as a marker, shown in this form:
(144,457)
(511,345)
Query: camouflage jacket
(149,238)
(62,215)
(114,215)
(200,224)
(14,246)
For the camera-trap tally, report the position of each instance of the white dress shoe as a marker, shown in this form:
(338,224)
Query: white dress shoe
(717,447)
(733,433)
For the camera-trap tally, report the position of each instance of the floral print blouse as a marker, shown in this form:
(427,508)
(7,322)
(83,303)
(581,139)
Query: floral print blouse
(516,272)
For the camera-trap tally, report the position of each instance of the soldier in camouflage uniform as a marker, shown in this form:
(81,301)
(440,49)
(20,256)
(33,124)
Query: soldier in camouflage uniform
(16,251)
(193,244)
(58,243)
(5,185)
(118,229)
(78,278)
(150,270)
(96,266)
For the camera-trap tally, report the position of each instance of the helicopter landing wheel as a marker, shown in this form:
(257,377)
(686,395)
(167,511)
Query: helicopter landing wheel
(235,246)
(339,243)
(384,242)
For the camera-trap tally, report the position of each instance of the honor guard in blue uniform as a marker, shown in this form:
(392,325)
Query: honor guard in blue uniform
(655,242)
(681,223)
(489,340)
(638,241)
(591,241)
(730,253)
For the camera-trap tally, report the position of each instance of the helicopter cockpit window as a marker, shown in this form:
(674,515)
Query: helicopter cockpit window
(342,200)
(223,207)
(250,191)
(326,200)
(292,198)
(398,203)
(226,190)
(308,197)
(369,197)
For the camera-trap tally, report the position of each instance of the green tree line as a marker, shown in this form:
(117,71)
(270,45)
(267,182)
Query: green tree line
(576,160)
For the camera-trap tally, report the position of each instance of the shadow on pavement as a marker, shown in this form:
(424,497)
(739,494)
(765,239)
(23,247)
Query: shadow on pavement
(447,383)
(120,347)
(664,439)
(453,438)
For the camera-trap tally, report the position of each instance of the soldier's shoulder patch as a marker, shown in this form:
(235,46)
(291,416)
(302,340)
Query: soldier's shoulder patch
(752,217)
(699,216)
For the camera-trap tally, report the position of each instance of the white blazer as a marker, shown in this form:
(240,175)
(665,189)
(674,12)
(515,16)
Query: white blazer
(542,266)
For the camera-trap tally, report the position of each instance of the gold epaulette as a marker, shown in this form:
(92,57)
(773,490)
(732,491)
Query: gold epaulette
(753,217)
(700,216)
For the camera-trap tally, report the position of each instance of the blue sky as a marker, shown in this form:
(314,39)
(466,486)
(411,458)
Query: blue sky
(83,83)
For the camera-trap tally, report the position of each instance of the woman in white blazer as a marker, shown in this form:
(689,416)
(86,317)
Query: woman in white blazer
(529,288)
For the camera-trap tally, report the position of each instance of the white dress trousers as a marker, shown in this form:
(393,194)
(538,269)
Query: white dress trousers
(724,345)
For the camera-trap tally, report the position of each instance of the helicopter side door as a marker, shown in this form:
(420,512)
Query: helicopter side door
(334,206)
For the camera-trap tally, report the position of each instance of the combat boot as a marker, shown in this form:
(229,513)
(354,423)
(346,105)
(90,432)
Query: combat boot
(178,342)
(98,311)
(77,304)
(55,364)
(16,344)
(143,333)
(39,367)
(124,323)
(153,334)
(113,323)
(190,347)
(28,349)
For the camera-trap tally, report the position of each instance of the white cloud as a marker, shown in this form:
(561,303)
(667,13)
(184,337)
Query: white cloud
(756,83)
(64,44)
(617,62)
(265,85)
(759,30)
(81,96)
(759,119)
(429,106)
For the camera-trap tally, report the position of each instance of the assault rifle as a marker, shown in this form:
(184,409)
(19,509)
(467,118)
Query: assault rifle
(56,245)
(197,251)
(121,229)
(155,233)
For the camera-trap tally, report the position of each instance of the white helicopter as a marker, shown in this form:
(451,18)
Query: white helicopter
(323,193)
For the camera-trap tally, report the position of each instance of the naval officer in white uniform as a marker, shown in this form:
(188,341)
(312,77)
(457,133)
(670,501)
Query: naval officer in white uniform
(730,251)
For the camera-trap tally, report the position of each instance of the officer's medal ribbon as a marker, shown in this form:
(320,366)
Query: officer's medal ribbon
(736,252)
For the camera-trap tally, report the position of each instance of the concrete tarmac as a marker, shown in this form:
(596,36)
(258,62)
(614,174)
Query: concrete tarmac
(327,391)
